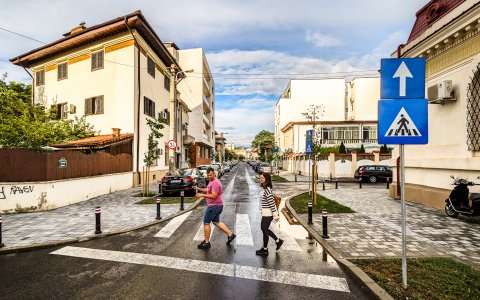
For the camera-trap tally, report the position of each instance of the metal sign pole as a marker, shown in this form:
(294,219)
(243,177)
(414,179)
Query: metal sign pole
(404,221)
(309,173)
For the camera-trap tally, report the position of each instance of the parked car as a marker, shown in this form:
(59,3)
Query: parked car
(203,171)
(226,167)
(220,168)
(264,168)
(373,173)
(179,180)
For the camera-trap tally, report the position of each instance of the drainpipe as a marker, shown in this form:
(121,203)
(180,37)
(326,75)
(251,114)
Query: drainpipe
(138,103)
(399,50)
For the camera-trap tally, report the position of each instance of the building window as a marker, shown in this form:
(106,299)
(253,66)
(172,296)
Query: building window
(148,107)
(60,111)
(369,133)
(94,105)
(40,77)
(97,60)
(62,71)
(166,82)
(150,66)
(473,112)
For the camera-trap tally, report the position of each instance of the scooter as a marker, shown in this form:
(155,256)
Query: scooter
(459,201)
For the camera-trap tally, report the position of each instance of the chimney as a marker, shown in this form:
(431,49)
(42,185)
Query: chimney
(76,29)
(116,132)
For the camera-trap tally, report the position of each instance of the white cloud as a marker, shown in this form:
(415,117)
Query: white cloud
(321,40)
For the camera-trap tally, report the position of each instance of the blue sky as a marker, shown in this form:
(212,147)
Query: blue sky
(253,47)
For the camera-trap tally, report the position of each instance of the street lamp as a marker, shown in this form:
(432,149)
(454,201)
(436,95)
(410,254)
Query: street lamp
(174,79)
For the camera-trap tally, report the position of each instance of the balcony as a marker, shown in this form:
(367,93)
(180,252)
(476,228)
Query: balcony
(188,139)
(206,87)
(206,121)
(206,105)
(206,137)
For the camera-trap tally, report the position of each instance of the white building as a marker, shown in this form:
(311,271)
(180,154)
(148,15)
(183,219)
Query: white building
(198,92)
(447,34)
(350,113)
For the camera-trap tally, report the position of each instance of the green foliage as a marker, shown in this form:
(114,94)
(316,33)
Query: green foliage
(230,155)
(384,149)
(156,125)
(27,126)
(241,157)
(264,142)
(313,114)
(328,150)
(342,149)
(362,149)
(300,204)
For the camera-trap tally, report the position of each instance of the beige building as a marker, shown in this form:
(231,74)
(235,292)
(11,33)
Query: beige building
(197,90)
(349,113)
(447,34)
(117,75)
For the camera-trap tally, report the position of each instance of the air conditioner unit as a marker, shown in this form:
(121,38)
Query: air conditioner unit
(163,114)
(441,92)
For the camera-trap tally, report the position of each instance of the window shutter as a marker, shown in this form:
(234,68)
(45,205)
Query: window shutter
(99,105)
(94,61)
(88,106)
(100,59)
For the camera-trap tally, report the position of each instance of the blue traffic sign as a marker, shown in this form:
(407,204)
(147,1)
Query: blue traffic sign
(308,142)
(402,78)
(403,121)
(275,149)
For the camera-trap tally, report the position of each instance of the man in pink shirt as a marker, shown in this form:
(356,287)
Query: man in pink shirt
(213,195)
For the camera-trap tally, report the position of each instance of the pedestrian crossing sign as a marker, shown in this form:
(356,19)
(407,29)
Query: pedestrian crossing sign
(403,121)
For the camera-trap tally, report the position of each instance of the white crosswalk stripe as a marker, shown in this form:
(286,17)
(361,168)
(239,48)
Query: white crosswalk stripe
(173,225)
(199,266)
(199,236)
(243,230)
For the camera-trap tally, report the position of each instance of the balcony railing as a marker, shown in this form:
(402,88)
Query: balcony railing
(206,121)
(206,137)
(349,141)
(206,104)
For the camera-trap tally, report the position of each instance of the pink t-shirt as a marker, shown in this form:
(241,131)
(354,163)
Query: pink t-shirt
(215,186)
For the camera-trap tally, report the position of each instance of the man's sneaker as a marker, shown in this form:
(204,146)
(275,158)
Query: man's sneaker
(231,238)
(279,244)
(262,251)
(204,245)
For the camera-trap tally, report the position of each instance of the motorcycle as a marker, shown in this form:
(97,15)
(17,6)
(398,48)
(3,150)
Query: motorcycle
(459,201)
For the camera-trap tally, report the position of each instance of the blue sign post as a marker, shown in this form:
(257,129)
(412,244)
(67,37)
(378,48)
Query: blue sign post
(403,118)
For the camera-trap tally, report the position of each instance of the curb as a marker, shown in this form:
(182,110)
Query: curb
(367,283)
(37,246)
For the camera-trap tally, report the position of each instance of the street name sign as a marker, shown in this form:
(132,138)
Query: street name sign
(402,78)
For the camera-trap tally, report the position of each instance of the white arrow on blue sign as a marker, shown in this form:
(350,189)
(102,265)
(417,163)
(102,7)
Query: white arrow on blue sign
(403,121)
(402,78)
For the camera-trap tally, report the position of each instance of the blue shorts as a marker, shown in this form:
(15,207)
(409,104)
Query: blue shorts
(212,214)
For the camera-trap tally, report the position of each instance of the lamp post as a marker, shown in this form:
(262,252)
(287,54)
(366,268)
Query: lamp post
(174,80)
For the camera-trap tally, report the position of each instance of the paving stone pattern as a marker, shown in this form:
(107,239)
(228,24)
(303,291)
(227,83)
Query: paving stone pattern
(78,220)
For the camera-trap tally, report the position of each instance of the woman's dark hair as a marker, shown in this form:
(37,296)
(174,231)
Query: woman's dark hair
(268,181)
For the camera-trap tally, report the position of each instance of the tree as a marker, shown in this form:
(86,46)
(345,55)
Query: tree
(342,149)
(263,142)
(313,114)
(156,125)
(362,149)
(384,149)
(32,127)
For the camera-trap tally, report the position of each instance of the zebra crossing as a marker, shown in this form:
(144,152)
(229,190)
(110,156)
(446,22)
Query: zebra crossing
(242,229)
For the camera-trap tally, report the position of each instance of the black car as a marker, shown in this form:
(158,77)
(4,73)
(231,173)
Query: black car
(374,173)
(181,180)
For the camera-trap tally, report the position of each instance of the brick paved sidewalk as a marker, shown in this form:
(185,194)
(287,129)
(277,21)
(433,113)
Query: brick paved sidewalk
(78,220)
(375,229)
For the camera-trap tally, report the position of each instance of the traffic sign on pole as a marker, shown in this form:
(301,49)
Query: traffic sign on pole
(308,142)
(172,144)
(403,121)
(402,78)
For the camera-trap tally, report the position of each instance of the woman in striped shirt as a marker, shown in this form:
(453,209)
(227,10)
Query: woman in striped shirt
(269,213)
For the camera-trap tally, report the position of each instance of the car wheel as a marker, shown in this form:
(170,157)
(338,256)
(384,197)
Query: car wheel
(450,212)
(372,179)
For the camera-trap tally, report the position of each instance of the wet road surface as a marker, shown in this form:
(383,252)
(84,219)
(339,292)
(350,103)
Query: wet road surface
(162,261)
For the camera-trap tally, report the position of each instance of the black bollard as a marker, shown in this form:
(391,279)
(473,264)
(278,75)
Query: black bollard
(98,211)
(295,177)
(310,212)
(336,184)
(182,195)
(388,183)
(360,183)
(158,209)
(323,186)
(1,244)
(324,222)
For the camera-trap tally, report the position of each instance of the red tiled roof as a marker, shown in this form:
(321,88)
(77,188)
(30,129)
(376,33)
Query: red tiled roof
(430,13)
(95,141)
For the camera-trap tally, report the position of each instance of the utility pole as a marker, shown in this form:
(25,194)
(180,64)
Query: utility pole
(314,166)
(172,109)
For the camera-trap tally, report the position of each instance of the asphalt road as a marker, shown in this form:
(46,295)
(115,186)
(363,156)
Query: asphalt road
(141,265)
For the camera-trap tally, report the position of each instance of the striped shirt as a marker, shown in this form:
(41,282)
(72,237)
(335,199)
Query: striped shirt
(268,203)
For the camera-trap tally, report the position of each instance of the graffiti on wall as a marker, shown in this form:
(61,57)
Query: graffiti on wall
(16,190)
